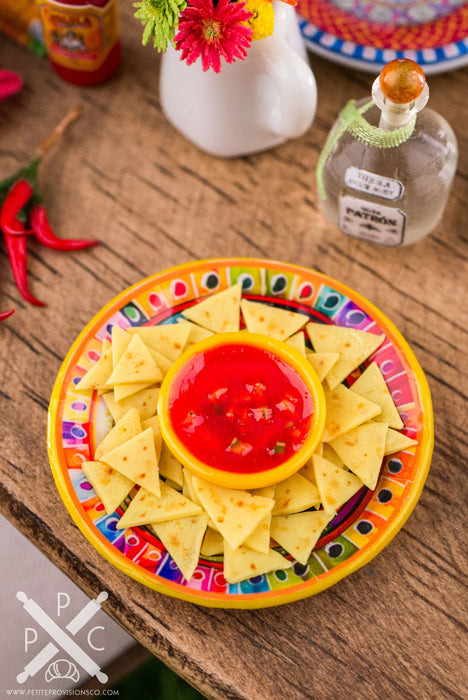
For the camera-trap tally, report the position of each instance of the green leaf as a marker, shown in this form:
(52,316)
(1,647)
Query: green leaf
(160,19)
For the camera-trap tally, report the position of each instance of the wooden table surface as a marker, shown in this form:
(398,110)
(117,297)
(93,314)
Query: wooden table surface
(397,627)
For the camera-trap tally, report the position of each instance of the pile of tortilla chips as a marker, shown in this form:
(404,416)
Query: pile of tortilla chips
(133,467)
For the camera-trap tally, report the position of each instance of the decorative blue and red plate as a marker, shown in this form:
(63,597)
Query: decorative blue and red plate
(367,35)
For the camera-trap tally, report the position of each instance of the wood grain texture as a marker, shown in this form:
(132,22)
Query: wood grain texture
(394,629)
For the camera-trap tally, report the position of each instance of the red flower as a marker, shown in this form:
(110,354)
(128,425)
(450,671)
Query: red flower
(213,32)
(10,83)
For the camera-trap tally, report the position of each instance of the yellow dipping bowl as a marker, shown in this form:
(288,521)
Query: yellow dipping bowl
(257,479)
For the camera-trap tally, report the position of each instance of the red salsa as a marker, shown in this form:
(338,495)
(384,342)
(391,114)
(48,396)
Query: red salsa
(240,408)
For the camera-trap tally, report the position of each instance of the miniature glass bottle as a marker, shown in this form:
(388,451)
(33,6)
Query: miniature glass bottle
(82,38)
(385,172)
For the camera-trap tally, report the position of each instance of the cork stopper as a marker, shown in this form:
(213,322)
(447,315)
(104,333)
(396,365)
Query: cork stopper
(402,81)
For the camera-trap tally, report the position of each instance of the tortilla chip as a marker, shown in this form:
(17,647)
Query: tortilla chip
(396,442)
(173,485)
(336,486)
(353,347)
(298,533)
(120,341)
(271,321)
(126,428)
(136,459)
(371,385)
(235,513)
(111,487)
(104,390)
(147,508)
(182,538)
(196,333)
(264,491)
(135,365)
(123,391)
(307,471)
(105,345)
(188,488)
(145,401)
(243,563)
(330,454)
(161,361)
(259,540)
(168,340)
(362,451)
(297,341)
(322,362)
(97,377)
(213,543)
(153,423)
(345,411)
(170,467)
(295,494)
(219,312)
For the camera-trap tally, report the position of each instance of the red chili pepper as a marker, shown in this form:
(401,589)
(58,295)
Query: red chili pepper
(18,196)
(21,210)
(14,232)
(44,234)
(6,314)
(17,252)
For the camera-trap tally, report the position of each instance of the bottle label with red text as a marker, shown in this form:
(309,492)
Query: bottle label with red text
(79,37)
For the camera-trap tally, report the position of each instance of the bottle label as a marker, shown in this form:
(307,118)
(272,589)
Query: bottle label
(79,37)
(372,222)
(364,181)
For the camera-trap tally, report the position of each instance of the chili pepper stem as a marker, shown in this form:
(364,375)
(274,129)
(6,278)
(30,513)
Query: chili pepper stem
(58,131)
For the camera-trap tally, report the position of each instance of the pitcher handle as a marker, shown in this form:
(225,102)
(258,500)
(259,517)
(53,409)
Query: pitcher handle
(295,86)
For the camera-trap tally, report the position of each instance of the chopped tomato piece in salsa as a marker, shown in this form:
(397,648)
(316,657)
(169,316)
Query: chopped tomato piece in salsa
(263,413)
(240,408)
(239,447)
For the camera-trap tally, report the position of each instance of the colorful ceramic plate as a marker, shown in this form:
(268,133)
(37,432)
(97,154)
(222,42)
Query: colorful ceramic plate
(362,527)
(366,35)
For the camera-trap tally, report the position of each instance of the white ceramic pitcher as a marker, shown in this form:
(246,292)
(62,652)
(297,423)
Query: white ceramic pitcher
(250,105)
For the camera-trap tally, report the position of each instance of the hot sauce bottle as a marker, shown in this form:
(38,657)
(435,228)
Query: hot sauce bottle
(386,170)
(82,38)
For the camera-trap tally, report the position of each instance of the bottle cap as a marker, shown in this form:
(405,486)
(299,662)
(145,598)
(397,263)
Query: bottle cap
(402,81)
(401,89)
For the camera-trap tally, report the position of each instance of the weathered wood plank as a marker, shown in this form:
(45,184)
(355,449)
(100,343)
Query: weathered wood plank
(397,627)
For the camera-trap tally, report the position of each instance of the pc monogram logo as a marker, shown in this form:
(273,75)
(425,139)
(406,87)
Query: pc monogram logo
(61,640)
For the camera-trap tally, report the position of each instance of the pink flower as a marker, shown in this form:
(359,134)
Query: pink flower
(10,83)
(213,32)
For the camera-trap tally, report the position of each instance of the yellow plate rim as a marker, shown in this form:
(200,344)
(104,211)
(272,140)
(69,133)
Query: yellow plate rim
(276,597)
